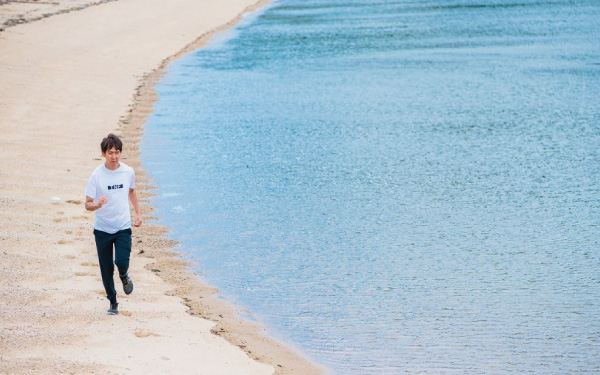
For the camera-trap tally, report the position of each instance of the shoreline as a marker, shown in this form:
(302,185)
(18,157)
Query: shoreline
(60,93)
(198,296)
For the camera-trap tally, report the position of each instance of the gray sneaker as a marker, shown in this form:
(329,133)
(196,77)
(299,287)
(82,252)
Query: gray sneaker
(127,283)
(113,310)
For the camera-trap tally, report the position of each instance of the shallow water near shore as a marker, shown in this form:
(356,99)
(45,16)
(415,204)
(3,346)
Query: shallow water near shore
(396,186)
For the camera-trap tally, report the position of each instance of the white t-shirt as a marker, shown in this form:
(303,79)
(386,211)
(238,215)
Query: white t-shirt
(114,215)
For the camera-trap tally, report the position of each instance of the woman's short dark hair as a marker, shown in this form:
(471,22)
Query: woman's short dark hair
(111,141)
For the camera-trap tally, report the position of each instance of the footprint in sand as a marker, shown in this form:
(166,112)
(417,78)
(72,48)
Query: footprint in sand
(64,242)
(143,334)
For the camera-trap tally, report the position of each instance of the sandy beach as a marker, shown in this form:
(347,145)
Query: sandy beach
(70,74)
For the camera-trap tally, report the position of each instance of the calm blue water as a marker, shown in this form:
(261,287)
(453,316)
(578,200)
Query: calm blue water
(396,186)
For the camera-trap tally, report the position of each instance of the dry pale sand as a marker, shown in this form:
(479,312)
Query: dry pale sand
(16,12)
(67,80)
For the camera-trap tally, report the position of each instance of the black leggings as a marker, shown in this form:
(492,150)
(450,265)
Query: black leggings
(104,244)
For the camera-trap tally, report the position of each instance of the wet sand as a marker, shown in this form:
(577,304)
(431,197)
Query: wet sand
(66,80)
